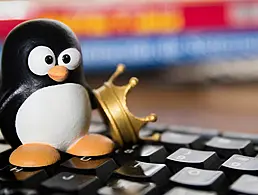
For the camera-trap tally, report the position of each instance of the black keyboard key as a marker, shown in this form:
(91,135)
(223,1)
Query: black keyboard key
(185,157)
(174,141)
(256,149)
(185,191)
(238,165)
(71,183)
(14,176)
(203,133)
(18,191)
(152,153)
(246,184)
(145,153)
(140,171)
(4,147)
(4,158)
(126,187)
(2,140)
(156,127)
(200,179)
(226,147)
(239,135)
(146,133)
(102,168)
(123,155)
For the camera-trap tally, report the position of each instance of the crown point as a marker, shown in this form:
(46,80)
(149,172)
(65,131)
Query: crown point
(151,118)
(120,68)
(133,81)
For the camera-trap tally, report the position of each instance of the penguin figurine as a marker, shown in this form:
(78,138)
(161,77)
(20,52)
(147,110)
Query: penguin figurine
(46,104)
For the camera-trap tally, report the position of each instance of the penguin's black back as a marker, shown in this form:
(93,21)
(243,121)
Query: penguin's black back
(18,82)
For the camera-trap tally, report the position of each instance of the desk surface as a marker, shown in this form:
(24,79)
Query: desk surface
(233,108)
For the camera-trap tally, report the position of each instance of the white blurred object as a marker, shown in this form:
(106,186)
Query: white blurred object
(4,147)
(14,9)
(220,70)
(1,135)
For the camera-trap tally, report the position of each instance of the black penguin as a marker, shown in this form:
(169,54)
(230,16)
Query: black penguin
(29,52)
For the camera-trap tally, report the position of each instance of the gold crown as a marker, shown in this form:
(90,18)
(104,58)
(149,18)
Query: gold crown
(124,126)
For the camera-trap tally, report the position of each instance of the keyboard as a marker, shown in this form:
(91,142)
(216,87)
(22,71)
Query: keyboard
(186,161)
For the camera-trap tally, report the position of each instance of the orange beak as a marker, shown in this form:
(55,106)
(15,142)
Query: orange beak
(58,73)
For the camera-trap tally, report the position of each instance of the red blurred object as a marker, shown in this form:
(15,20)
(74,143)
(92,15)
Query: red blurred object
(146,18)
(212,16)
(7,26)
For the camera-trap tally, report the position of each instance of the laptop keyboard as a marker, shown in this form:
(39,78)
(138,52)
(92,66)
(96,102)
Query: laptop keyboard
(186,161)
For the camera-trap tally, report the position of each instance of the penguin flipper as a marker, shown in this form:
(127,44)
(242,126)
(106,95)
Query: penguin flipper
(10,102)
(7,97)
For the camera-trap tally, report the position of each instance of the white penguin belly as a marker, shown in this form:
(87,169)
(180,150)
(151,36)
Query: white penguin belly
(57,115)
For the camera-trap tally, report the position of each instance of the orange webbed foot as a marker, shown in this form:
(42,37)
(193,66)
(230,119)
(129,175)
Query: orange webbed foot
(34,155)
(92,145)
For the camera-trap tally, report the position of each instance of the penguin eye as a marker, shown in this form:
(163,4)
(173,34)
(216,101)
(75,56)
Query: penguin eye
(40,60)
(70,58)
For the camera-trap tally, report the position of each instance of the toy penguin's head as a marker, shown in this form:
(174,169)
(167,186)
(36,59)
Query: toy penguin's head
(41,52)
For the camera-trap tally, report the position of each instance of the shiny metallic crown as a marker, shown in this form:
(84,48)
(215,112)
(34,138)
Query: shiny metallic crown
(124,126)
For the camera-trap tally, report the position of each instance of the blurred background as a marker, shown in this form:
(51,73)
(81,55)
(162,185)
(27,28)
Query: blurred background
(197,60)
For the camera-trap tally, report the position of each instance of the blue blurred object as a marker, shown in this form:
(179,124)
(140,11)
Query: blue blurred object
(157,51)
